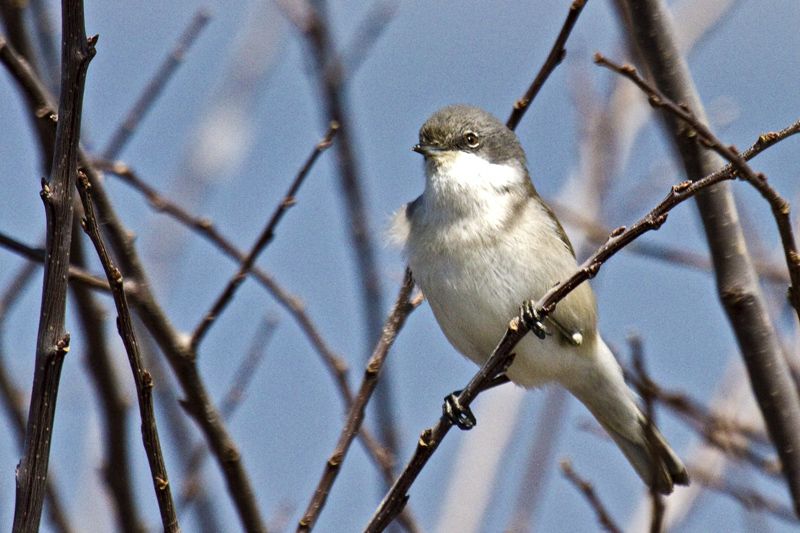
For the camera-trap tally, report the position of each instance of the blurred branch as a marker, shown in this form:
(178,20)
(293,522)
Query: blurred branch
(172,343)
(330,78)
(141,377)
(746,497)
(204,227)
(502,355)
(37,255)
(263,240)
(110,398)
(645,390)
(156,85)
(554,58)
(242,378)
(605,520)
(52,342)
(596,232)
(402,308)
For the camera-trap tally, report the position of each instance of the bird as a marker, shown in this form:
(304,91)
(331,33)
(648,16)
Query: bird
(480,241)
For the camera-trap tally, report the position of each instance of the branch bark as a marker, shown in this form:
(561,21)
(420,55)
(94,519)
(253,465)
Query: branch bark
(52,343)
(141,377)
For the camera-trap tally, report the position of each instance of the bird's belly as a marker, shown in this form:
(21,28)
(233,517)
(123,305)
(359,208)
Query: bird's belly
(473,299)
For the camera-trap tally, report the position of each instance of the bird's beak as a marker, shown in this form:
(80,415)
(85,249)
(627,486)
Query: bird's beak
(426,149)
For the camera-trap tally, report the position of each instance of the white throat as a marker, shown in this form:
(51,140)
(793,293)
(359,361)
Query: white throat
(461,185)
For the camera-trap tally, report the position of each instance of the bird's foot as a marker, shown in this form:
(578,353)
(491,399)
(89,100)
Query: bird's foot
(530,318)
(458,414)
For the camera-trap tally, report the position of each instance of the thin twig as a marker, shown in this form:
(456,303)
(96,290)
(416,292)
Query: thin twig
(52,342)
(780,207)
(335,364)
(646,392)
(777,396)
(554,58)
(112,401)
(402,308)
(502,356)
(172,342)
(156,85)
(141,377)
(263,240)
(747,497)
(603,517)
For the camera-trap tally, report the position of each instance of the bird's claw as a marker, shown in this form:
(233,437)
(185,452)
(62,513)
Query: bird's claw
(530,318)
(458,414)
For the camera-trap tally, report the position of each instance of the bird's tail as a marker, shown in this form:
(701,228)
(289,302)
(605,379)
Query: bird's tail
(604,392)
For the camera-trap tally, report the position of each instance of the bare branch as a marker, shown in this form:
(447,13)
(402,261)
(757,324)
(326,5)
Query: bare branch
(605,520)
(780,207)
(263,240)
(141,377)
(171,342)
(111,399)
(554,58)
(402,308)
(52,343)
(737,282)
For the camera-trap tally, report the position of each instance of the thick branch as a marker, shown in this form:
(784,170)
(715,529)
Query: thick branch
(52,342)
(737,282)
(171,342)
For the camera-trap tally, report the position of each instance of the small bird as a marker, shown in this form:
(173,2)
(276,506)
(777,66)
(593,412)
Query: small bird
(480,241)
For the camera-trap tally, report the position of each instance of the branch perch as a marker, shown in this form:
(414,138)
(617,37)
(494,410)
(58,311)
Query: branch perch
(52,341)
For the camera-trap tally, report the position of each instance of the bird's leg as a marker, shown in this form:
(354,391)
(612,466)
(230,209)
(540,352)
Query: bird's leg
(529,317)
(461,416)
(458,414)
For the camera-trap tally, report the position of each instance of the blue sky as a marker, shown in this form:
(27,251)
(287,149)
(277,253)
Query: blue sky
(238,144)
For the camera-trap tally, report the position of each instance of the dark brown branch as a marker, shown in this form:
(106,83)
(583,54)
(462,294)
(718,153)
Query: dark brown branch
(52,342)
(780,207)
(502,355)
(156,85)
(141,377)
(554,58)
(402,308)
(603,517)
(171,342)
(263,240)
(645,389)
(13,400)
(110,397)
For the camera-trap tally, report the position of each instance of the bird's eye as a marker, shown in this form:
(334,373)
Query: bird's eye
(472,140)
